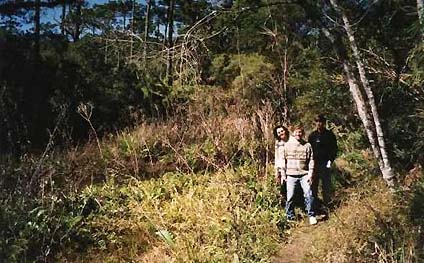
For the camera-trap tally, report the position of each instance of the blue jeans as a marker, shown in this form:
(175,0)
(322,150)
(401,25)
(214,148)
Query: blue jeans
(322,173)
(291,183)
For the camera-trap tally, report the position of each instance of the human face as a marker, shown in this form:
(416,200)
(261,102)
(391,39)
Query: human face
(320,125)
(282,134)
(298,134)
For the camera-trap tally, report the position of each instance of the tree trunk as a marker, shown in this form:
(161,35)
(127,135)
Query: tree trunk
(420,10)
(286,112)
(364,115)
(358,98)
(62,23)
(146,30)
(283,57)
(169,41)
(78,20)
(36,43)
(385,166)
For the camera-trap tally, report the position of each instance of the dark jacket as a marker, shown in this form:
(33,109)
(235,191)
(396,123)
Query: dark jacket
(324,146)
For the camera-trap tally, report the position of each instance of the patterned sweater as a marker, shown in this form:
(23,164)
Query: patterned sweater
(297,158)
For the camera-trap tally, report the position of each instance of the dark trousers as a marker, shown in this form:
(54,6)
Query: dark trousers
(322,174)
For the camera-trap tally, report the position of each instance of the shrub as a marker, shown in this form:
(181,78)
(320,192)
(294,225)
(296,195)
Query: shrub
(245,73)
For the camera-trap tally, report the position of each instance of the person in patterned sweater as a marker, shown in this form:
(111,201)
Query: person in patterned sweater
(297,170)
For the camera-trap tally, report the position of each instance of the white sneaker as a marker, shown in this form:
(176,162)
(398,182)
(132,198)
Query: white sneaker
(313,220)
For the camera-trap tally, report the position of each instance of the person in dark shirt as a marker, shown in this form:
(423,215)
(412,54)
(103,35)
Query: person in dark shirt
(324,146)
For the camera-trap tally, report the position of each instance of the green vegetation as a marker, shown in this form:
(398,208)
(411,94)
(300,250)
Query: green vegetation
(373,225)
(121,141)
(157,198)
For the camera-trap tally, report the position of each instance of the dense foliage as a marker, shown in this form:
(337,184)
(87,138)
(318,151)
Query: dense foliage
(112,109)
(102,55)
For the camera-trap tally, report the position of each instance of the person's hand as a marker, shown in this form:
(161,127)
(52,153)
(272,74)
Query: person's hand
(277,179)
(310,178)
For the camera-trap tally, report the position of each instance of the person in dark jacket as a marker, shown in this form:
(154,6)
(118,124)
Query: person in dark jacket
(324,146)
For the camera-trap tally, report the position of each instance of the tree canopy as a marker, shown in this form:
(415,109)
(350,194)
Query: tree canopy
(59,54)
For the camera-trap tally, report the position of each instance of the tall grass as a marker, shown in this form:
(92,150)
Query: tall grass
(373,225)
(187,218)
(186,189)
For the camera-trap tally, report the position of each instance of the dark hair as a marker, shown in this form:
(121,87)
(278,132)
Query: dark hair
(279,127)
(320,118)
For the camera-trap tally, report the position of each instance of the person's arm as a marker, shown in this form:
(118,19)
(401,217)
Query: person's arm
(277,164)
(333,146)
(311,163)
(284,166)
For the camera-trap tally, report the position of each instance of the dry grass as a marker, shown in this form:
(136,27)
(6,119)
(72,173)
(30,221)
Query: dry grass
(187,190)
(371,225)
(186,218)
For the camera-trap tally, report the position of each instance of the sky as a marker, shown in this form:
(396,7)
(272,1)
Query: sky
(53,15)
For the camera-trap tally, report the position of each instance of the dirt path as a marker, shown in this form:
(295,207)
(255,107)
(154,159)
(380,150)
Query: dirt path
(300,239)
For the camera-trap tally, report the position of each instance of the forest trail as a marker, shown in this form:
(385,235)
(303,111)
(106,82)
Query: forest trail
(300,240)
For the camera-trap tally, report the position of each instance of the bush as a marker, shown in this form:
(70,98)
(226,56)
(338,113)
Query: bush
(245,73)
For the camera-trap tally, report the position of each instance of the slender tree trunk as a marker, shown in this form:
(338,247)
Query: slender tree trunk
(157,31)
(385,166)
(364,115)
(283,83)
(132,28)
(286,112)
(420,10)
(358,98)
(146,30)
(62,23)
(36,43)
(165,33)
(170,43)
(78,20)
